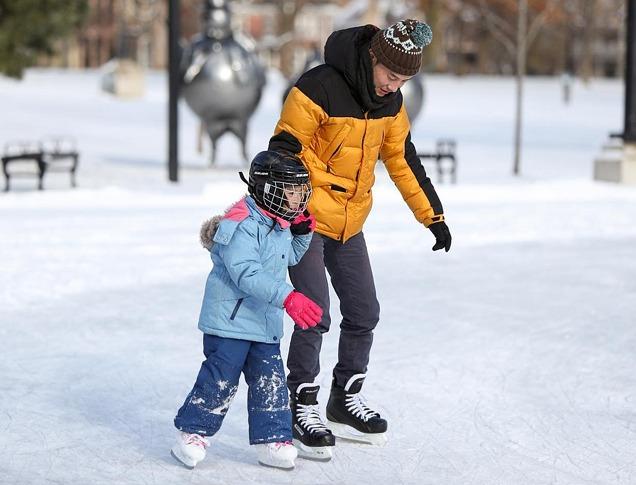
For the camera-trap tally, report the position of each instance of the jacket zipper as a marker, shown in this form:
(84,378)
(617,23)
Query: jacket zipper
(333,154)
(238,304)
(364,136)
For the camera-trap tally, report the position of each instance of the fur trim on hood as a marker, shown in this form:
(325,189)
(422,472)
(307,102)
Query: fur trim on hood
(208,230)
(237,212)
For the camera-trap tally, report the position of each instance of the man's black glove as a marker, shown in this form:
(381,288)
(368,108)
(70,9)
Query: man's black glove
(303,224)
(442,236)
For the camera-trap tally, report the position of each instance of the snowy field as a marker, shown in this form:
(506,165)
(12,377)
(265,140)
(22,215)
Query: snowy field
(509,360)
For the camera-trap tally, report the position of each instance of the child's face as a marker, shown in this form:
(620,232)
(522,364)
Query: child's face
(296,196)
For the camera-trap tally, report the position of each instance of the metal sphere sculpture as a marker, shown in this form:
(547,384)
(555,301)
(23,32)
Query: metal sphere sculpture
(222,80)
(413,94)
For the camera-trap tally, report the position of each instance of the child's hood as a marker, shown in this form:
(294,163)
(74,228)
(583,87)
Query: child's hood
(236,212)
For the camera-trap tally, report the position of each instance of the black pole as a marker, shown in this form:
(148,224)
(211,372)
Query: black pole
(630,74)
(173,89)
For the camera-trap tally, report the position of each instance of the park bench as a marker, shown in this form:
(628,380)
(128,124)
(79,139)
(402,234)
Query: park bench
(57,154)
(445,159)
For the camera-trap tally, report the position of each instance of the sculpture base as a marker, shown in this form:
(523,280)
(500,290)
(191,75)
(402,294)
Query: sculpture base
(616,163)
(123,78)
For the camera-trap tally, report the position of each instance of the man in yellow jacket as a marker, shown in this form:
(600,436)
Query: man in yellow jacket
(340,118)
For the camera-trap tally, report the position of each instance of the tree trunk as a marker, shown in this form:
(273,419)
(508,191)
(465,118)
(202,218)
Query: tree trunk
(587,62)
(434,54)
(287,24)
(522,26)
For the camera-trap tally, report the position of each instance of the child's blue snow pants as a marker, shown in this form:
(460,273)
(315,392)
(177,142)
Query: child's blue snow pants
(267,401)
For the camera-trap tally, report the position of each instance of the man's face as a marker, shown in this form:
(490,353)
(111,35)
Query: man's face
(385,80)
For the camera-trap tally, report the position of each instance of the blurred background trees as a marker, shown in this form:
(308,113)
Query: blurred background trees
(30,28)
(581,37)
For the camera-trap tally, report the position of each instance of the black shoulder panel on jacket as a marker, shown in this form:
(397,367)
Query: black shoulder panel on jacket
(326,87)
(311,85)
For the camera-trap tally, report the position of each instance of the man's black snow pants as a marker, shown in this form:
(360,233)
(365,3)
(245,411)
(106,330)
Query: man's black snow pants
(352,280)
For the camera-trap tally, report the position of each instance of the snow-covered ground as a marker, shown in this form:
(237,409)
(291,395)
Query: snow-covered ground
(509,360)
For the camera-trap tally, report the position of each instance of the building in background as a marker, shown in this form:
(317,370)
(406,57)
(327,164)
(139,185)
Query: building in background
(581,37)
(134,29)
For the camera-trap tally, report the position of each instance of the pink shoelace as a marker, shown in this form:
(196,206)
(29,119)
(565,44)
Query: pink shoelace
(197,440)
(280,444)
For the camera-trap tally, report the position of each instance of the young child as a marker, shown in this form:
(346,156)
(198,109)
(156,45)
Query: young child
(251,246)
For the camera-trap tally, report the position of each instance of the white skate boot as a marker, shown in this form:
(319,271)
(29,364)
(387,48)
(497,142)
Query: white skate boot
(189,449)
(278,455)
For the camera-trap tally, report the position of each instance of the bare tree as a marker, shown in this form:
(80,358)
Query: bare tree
(287,20)
(516,40)
(434,55)
(522,49)
(139,17)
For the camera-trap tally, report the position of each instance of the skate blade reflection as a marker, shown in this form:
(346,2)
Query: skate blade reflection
(286,465)
(177,455)
(315,453)
(349,433)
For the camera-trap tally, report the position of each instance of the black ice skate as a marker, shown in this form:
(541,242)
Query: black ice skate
(312,438)
(349,417)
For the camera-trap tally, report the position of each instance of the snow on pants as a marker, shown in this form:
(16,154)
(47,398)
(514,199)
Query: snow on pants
(351,277)
(267,401)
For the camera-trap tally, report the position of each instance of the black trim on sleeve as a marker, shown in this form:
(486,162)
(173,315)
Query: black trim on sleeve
(415,164)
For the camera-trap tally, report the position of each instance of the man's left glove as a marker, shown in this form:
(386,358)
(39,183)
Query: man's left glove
(303,224)
(442,236)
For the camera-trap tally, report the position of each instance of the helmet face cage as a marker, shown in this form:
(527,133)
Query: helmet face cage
(280,184)
(286,200)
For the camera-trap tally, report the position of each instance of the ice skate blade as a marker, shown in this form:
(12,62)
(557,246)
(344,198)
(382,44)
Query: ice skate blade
(347,432)
(314,453)
(189,464)
(281,465)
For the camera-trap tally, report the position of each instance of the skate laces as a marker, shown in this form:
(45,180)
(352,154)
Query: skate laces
(309,416)
(357,406)
(196,440)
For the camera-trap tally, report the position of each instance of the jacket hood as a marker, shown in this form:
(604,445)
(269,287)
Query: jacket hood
(208,230)
(237,212)
(347,51)
(342,50)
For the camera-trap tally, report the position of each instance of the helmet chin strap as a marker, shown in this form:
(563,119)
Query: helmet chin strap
(242,177)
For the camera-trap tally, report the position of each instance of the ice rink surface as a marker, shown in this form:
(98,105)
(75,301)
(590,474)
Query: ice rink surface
(509,360)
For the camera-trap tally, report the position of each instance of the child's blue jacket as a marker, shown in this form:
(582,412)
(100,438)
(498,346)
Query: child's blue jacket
(247,286)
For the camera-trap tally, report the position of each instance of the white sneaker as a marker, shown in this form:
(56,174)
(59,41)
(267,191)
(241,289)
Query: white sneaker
(189,448)
(278,455)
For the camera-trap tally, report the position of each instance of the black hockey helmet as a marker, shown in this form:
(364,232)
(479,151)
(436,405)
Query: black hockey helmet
(279,183)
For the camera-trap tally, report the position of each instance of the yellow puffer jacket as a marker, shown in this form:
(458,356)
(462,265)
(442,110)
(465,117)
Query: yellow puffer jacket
(340,134)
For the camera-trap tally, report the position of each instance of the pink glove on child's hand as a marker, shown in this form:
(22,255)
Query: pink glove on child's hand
(303,311)
(303,224)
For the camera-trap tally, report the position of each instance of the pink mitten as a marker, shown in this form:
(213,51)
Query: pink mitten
(303,311)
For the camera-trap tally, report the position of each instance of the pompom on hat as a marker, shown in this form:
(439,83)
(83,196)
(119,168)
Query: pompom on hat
(399,47)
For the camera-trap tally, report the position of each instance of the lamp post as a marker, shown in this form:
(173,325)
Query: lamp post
(629,133)
(617,161)
(173,90)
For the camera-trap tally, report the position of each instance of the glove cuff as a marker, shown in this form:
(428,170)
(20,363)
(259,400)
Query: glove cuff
(432,220)
(288,298)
